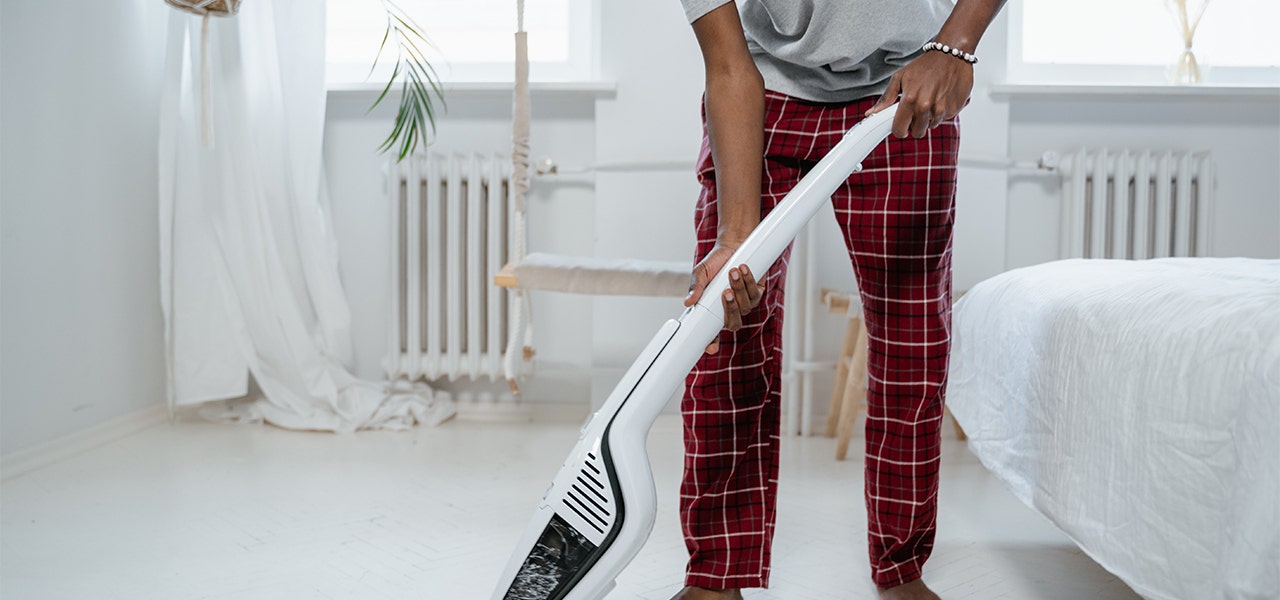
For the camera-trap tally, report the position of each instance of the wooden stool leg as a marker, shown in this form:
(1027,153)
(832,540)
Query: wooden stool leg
(960,435)
(842,374)
(854,395)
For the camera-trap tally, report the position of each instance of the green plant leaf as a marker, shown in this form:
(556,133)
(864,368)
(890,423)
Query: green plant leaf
(415,121)
(409,143)
(418,73)
(428,72)
(409,28)
(402,119)
(385,89)
(385,34)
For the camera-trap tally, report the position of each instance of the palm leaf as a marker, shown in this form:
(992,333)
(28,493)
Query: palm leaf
(420,89)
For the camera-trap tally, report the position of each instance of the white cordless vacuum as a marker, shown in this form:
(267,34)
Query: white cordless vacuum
(600,507)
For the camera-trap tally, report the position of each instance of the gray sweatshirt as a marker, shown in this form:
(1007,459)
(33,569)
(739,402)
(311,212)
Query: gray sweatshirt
(832,50)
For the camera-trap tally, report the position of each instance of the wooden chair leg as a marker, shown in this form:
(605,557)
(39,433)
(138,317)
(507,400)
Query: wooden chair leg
(842,374)
(854,395)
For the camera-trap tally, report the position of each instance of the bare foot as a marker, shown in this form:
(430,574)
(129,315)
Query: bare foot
(697,593)
(913,590)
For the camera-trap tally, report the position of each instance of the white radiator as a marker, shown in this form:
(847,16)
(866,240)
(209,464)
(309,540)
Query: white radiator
(450,234)
(1137,204)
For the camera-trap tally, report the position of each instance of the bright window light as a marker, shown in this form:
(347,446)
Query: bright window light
(1144,32)
(472,39)
(1235,36)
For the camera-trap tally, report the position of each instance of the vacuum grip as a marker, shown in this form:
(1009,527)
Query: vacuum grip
(772,236)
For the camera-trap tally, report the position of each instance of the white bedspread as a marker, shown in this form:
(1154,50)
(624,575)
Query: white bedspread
(1136,404)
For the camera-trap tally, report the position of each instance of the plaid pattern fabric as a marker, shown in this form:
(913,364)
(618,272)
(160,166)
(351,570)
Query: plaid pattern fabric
(897,217)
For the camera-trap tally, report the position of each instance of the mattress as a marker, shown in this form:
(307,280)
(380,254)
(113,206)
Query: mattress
(1136,405)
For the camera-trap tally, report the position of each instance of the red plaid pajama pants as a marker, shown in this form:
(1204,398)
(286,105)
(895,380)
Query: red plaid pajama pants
(897,217)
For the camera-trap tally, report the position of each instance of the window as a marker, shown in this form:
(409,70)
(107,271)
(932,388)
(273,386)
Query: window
(1135,41)
(472,39)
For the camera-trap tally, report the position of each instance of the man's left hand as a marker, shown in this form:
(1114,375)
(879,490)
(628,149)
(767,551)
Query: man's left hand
(934,87)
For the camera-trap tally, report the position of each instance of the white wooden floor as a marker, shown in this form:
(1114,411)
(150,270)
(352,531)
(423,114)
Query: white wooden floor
(199,510)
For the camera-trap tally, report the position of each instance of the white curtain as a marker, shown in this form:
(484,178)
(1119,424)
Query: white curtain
(249,265)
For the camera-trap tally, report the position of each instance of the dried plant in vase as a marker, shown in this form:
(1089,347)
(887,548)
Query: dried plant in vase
(1185,69)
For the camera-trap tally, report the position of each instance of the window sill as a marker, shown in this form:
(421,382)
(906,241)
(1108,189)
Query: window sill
(595,88)
(1139,91)
(1090,91)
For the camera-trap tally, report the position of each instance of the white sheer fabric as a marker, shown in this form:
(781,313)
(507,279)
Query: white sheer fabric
(249,272)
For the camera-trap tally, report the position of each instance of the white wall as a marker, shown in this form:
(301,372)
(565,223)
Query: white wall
(79,302)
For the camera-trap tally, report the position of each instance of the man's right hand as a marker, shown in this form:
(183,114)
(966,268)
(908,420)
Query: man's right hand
(744,291)
(735,99)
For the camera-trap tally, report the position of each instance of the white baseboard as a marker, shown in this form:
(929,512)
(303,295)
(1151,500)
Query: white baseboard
(28,459)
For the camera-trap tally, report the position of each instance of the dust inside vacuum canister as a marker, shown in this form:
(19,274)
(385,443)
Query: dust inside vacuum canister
(561,553)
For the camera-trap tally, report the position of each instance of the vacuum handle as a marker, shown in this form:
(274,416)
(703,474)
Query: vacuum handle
(772,236)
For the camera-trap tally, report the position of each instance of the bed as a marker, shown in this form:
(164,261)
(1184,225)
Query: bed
(1136,405)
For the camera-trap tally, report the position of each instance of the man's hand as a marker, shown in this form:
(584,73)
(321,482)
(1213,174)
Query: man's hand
(735,131)
(934,87)
(744,292)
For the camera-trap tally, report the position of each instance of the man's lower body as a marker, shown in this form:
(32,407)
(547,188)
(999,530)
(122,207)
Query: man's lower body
(896,216)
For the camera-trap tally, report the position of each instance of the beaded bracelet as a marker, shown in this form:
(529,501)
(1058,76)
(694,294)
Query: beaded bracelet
(956,52)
